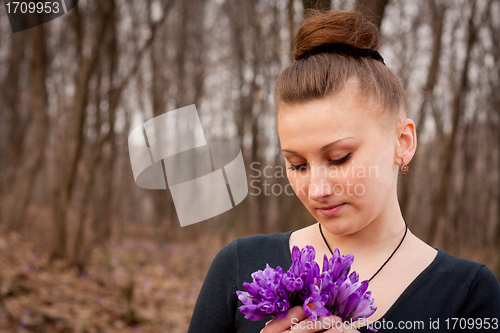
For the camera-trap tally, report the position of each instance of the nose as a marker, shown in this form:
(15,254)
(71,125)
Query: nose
(320,185)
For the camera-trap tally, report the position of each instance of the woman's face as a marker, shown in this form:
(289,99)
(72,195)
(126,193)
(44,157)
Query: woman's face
(337,152)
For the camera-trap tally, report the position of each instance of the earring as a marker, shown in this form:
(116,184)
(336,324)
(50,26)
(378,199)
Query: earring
(404,168)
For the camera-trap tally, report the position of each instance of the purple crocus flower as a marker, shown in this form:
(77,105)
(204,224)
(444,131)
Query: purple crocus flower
(307,254)
(365,307)
(348,287)
(265,296)
(292,279)
(330,288)
(353,301)
(314,307)
(302,271)
(338,265)
(310,274)
(331,291)
(252,312)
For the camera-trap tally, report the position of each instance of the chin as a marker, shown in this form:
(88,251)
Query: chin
(338,227)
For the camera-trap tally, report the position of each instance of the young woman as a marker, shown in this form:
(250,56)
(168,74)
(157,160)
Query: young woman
(344,132)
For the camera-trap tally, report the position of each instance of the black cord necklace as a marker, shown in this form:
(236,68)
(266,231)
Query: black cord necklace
(402,239)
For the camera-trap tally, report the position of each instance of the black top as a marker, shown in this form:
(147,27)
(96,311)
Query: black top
(444,295)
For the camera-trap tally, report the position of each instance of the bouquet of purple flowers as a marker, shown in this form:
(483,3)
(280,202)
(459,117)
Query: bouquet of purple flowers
(332,292)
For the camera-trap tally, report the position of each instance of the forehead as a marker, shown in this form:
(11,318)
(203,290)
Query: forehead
(331,118)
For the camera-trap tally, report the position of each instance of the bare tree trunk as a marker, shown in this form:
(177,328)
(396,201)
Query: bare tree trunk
(497,235)
(436,229)
(291,25)
(495,111)
(102,217)
(252,118)
(15,206)
(124,189)
(180,57)
(17,124)
(199,51)
(90,167)
(437,32)
(373,10)
(496,239)
(159,86)
(72,148)
(161,199)
(465,204)
(244,103)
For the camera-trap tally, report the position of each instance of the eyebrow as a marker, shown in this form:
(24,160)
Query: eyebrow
(326,147)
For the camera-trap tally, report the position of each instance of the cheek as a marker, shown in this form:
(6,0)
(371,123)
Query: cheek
(298,183)
(373,180)
(358,181)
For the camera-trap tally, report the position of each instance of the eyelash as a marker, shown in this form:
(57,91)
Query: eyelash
(336,162)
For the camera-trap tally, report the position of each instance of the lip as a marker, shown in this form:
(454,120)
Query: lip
(331,210)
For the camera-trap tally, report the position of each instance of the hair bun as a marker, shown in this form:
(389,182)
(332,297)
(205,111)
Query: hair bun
(336,27)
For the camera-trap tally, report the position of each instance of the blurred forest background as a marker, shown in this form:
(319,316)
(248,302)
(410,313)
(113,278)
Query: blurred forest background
(83,249)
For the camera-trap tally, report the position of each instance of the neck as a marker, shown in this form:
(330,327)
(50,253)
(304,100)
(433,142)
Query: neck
(379,238)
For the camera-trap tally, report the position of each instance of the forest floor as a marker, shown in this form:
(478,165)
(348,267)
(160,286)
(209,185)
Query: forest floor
(135,286)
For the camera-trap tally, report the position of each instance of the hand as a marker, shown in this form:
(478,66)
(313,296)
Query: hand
(296,321)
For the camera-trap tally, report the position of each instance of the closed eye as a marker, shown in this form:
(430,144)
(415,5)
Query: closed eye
(342,160)
(335,162)
(297,167)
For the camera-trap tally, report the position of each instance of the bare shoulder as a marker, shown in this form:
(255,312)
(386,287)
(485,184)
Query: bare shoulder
(310,236)
(302,237)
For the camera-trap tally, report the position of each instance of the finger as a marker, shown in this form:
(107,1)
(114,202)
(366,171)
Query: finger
(295,315)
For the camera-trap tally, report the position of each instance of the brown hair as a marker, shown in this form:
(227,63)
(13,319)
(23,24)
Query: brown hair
(325,74)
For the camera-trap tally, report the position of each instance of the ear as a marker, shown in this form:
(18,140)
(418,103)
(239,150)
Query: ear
(406,142)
